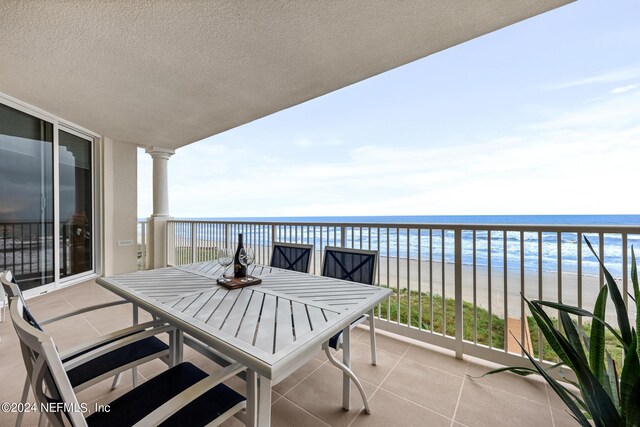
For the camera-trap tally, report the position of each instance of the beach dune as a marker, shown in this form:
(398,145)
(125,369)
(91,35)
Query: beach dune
(423,276)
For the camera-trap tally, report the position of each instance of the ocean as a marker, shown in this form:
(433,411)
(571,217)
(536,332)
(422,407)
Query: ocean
(408,244)
(626,220)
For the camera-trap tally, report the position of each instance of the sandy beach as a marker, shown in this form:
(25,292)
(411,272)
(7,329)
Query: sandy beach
(425,276)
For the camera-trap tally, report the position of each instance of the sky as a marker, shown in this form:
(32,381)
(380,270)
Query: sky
(542,117)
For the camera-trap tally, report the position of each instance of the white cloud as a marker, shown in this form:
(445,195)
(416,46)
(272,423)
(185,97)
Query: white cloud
(624,89)
(602,114)
(581,161)
(303,142)
(611,76)
(307,142)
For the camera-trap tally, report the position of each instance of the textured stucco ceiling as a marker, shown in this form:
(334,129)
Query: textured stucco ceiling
(169,73)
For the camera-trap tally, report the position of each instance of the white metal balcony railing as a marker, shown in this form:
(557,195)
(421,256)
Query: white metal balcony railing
(455,286)
(143,254)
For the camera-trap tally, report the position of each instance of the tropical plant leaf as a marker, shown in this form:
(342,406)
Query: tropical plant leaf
(597,400)
(585,338)
(569,381)
(606,398)
(519,370)
(546,327)
(606,385)
(584,313)
(633,410)
(629,379)
(596,341)
(616,297)
(572,335)
(561,391)
(636,291)
(613,379)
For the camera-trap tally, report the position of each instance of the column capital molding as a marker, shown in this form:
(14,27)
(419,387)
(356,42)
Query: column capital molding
(159,152)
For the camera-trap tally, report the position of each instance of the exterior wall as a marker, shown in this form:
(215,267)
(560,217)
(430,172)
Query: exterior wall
(119,207)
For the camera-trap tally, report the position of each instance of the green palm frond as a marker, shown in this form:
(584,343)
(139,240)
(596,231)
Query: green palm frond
(609,396)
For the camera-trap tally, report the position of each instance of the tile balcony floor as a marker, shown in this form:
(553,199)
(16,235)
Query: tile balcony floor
(413,385)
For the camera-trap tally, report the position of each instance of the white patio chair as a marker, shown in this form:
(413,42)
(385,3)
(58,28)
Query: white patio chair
(105,356)
(354,265)
(292,256)
(182,395)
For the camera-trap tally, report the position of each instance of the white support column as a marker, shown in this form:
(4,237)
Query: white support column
(158,220)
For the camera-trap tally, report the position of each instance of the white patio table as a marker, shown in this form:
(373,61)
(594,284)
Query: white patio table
(272,328)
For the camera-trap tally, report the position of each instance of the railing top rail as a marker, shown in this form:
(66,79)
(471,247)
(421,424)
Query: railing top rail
(18,222)
(627,229)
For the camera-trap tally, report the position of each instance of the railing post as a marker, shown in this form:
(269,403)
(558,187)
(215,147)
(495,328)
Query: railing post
(343,236)
(194,245)
(458,291)
(273,240)
(226,235)
(143,245)
(169,238)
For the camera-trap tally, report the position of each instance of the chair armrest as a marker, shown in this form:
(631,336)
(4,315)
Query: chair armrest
(83,310)
(178,402)
(112,341)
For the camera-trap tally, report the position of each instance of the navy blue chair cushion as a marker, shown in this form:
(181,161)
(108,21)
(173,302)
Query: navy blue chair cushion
(114,359)
(351,266)
(291,258)
(26,315)
(144,399)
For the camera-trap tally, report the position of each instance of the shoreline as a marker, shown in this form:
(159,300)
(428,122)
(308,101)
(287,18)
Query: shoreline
(548,286)
(535,282)
(203,244)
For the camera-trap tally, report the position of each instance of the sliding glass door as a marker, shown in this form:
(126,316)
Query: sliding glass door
(46,195)
(76,204)
(26,197)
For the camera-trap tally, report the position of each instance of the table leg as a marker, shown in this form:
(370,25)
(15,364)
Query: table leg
(134,371)
(346,359)
(264,402)
(176,341)
(179,346)
(252,398)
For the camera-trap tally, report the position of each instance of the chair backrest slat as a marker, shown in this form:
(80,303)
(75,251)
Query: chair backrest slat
(354,265)
(11,288)
(9,285)
(291,256)
(48,378)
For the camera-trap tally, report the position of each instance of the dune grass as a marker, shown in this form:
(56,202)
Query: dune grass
(398,307)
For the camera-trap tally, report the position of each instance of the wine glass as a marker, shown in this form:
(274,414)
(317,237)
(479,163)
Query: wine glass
(247,257)
(225,259)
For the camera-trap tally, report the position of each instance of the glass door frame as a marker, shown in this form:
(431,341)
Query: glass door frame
(96,226)
(94,167)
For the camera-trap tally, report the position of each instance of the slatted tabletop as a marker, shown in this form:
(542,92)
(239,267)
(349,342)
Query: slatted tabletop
(268,327)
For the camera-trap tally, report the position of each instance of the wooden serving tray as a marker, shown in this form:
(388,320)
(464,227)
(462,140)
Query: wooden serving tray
(235,283)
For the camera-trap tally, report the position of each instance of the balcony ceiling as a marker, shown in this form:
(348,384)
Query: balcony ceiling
(170,73)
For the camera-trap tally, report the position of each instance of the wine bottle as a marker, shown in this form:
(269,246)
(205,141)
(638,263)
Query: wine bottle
(239,270)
